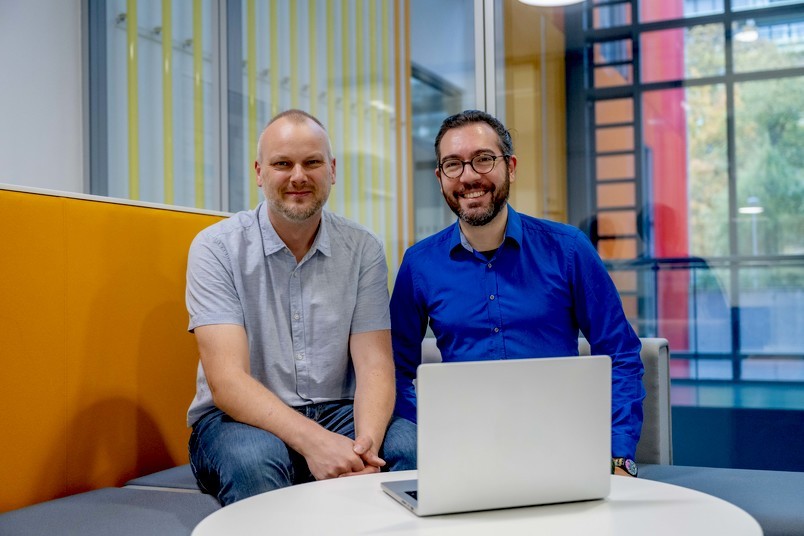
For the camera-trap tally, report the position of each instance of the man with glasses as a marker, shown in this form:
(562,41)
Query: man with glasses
(502,285)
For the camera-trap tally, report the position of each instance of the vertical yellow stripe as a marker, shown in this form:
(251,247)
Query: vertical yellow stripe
(330,39)
(347,116)
(387,150)
(274,67)
(378,194)
(408,181)
(398,110)
(167,99)
(294,55)
(312,53)
(363,200)
(133,102)
(251,80)
(198,102)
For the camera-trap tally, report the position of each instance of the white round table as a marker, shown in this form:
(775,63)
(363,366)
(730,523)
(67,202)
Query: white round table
(357,505)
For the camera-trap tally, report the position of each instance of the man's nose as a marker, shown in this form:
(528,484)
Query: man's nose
(297,173)
(469,174)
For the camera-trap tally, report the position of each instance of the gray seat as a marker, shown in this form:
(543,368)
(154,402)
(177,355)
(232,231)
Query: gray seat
(179,478)
(656,443)
(112,512)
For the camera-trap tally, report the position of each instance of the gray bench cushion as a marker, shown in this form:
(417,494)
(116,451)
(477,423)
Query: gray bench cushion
(180,477)
(112,512)
(774,498)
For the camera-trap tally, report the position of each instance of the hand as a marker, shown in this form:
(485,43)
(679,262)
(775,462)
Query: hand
(332,455)
(363,448)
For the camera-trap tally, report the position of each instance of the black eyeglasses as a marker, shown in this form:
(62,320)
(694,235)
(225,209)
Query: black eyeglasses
(452,168)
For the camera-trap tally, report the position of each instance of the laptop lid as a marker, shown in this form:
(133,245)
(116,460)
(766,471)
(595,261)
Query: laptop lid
(500,434)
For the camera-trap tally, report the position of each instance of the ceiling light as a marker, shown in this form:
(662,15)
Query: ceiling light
(748,32)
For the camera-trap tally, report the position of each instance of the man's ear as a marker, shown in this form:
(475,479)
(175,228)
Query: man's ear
(257,169)
(438,176)
(512,167)
(332,169)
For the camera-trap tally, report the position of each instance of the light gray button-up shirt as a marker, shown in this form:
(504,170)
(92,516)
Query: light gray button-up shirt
(298,316)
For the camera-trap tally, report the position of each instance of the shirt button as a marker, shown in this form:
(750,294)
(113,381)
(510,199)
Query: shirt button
(489,265)
(491,297)
(296,316)
(295,274)
(299,357)
(496,330)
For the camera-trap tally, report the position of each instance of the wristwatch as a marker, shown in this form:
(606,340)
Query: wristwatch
(628,464)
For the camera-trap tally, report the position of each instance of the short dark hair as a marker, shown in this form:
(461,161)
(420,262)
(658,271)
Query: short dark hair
(467,117)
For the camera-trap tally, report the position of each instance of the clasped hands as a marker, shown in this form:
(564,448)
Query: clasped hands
(333,455)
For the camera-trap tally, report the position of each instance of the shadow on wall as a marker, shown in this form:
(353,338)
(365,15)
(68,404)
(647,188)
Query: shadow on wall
(131,365)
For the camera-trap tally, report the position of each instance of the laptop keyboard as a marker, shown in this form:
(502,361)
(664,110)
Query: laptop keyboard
(414,494)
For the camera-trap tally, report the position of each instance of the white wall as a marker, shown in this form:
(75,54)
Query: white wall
(41,117)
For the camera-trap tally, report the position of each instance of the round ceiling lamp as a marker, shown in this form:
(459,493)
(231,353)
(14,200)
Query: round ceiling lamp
(550,3)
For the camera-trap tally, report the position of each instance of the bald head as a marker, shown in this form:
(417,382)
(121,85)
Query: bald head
(294,116)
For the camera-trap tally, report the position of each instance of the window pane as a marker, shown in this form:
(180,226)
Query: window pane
(765,45)
(159,110)
(682,53)
(687,165)
(614,139)
(772,308)
(651,10)
(615,167)
(769,125)
(614,111)
(757,4)
(611,16)
(442,84)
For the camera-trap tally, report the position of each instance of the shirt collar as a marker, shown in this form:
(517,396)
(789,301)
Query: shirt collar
(271,243)
(513,232)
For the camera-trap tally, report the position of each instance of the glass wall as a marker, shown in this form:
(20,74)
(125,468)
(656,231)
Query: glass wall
(181,90)
(688,162)
(153,102)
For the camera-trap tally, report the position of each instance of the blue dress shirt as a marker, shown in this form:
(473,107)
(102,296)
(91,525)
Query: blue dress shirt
(544,284)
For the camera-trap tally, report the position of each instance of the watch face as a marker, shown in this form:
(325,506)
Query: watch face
(630,467)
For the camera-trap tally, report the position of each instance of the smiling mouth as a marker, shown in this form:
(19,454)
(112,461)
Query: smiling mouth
(474,195)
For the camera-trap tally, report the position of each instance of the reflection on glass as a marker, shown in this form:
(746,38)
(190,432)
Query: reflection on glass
(772,308)
(651,10)
(681,53)
(158,105)
(768,44)
(769,124)
(611,16)
(757,4)
(442,83)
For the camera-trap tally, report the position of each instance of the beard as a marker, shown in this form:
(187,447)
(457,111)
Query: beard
(483,215)
(299,212)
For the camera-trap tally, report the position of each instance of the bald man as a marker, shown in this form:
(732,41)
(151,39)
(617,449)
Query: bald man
(289,306)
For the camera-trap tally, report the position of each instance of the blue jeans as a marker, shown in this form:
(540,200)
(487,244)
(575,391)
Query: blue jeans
(233,461)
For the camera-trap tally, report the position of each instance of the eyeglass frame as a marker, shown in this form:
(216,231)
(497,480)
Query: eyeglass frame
(494,158)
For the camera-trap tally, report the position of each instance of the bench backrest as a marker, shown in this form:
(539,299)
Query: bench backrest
(98,367)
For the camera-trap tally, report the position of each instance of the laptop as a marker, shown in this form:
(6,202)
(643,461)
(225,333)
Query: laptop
(503,434)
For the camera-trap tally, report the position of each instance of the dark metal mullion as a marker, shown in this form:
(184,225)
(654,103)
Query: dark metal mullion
(615,153)
(96,80)
(622,180)
(734,271)
(642,187)
(615,125)
(613,63)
